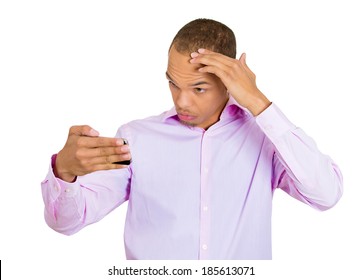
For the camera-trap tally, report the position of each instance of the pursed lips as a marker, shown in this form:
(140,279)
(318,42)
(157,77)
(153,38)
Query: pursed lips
(185,116)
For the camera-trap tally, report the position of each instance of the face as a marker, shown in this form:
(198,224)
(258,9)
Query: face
(199,98)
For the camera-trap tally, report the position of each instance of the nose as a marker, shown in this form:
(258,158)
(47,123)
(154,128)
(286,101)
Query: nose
(183,99)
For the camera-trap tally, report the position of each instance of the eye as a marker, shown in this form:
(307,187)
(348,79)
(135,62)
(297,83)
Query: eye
(199,90)
(172,84)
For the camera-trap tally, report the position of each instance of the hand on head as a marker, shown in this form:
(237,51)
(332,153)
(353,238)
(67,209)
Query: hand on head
(237,77)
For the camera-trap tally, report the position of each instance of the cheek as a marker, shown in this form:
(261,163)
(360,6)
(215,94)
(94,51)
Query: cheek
(173,93)
(214,101)
(207,106)
(213,106)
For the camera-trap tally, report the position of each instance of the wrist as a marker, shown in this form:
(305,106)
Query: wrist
(60,173)
(258,104)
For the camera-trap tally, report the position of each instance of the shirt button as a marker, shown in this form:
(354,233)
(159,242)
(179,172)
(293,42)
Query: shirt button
(205,208)
(56,188)
(206,170)
(67,190)
(204,247)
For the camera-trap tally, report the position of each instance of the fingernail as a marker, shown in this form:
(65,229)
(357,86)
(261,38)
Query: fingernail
(194,54)
(125,149)
(201,50)
(93,132)
(120,142)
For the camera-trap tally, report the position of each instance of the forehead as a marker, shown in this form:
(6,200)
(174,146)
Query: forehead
(180,70)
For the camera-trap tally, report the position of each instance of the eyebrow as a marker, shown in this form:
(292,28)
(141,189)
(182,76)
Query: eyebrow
(168,76)
(193,85)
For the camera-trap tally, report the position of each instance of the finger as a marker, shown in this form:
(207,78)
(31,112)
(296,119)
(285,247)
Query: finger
(219,66)
(214,65)
(225,76)
(201,51)
(95,142)
(214,60)
(207,57)
(89,162)
(113,159)
(107,151)
(83,130)
(205,51)
(125,159)
(109,142)
(108,167)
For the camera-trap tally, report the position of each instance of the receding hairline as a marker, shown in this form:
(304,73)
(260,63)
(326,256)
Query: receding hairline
(205,33)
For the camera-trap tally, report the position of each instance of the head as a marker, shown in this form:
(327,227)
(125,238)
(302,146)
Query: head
(199,98)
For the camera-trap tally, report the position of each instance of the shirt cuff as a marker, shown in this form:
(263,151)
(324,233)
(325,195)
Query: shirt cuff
(274,123)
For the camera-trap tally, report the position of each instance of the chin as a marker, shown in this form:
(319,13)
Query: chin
(189,124)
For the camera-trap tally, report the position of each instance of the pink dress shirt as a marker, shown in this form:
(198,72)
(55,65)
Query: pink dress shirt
(199,194)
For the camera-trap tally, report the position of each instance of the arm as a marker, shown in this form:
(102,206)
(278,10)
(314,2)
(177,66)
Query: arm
(299,167)
(86,192)
(69,207)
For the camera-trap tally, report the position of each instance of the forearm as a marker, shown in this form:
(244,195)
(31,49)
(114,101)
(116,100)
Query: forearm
(71,206)
(256,103)
(64,204)
(309,173)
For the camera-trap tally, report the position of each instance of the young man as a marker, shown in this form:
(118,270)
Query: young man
(202,175)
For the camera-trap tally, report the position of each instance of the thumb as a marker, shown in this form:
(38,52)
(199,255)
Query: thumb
(83,130)
(242,59)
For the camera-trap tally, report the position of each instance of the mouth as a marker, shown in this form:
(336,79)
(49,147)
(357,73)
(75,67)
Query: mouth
(186,117)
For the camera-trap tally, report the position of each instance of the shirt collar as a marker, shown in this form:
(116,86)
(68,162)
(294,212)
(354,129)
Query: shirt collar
(232,108)
(169,114)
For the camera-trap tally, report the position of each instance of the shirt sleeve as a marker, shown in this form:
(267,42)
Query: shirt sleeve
(71,206)
(300,169)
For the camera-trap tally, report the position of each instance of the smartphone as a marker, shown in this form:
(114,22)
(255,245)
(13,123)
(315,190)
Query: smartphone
(124,162)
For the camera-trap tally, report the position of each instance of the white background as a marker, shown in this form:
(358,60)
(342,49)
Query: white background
(102,63)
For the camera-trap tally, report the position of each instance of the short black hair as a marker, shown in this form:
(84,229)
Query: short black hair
(208,34)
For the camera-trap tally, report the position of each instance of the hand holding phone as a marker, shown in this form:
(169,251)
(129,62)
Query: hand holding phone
(124,162)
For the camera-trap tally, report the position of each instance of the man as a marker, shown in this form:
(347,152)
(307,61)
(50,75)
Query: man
(202,175)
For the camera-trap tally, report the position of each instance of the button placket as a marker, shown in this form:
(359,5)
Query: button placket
(204,203)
